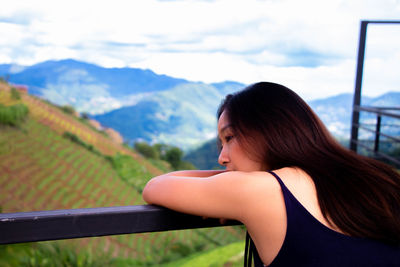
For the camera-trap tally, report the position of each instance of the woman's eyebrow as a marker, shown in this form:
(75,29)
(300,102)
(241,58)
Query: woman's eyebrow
(225,127)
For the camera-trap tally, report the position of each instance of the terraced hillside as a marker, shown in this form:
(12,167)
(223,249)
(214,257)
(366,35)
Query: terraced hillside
(42,170)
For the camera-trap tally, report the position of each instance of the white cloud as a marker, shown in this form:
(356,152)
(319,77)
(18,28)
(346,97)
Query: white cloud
(309,45)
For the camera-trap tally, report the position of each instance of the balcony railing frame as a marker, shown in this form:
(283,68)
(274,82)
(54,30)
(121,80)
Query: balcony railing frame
(357,107)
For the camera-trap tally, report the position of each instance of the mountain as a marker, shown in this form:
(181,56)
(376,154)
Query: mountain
(336,113)
(184,116)
(87,87)
(140,104)
(205,157)
(227,87)
(143,105)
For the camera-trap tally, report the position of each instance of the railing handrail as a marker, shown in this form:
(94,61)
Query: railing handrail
(378,110)
(380,154)
(36,226)
(395,139)
(381,107)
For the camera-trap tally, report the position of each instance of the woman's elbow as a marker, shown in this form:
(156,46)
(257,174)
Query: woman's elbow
(148,192)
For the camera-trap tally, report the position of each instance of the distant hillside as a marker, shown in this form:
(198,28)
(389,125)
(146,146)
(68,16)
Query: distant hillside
(184,116)
(142,105)
(336,113)
(42,168)
(85,86)
(138,103)
(205,157)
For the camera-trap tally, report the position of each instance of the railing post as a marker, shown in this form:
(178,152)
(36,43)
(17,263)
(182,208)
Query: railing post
(357,91)
(377,132)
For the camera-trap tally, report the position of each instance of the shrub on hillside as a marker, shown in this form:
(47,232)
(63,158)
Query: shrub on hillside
(68,109)
(74,138)
(15,94)
(171,154)
(174,157)
(146,150)
(13,115)
(130,171)
(85,115)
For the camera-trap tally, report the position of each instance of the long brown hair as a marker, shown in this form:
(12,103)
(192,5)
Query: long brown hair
(359,195)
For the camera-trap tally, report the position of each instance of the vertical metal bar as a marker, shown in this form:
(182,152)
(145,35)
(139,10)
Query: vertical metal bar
(357,91)
(377,132)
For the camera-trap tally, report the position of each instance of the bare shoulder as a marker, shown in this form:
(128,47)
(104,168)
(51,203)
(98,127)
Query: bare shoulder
(249,182)
(260,180)
(258,192)
(299,183)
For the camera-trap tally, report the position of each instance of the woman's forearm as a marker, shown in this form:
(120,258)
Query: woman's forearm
(152,187)
(195,173)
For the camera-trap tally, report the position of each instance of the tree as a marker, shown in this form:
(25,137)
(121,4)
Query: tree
(174,157)
(85,115)
(146,150)
(68,109)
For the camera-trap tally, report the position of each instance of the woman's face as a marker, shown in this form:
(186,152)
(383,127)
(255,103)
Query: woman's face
(232,156)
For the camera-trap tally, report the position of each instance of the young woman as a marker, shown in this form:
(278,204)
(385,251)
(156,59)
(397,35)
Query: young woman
(304,199)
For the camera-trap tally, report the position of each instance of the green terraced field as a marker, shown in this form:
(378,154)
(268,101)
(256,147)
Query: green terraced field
(41,170)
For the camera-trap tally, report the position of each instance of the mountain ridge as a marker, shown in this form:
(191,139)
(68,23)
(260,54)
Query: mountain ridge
(164,110)
(61,82)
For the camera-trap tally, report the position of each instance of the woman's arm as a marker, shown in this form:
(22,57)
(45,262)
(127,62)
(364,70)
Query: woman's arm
(195,173)
(223,195)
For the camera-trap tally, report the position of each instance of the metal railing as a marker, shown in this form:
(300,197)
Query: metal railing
(90,222)
(377,131)
(379,111)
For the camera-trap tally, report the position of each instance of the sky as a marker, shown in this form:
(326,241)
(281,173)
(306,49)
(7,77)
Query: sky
(309,45)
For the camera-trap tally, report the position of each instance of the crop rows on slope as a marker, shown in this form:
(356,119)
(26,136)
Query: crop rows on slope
(21,163)
(65,173)
(28,177)
(85,175)
(67,123)
(81,167)
(61,122)
(157,244)
(6,99)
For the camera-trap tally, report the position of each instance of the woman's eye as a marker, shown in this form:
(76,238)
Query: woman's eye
(228,138)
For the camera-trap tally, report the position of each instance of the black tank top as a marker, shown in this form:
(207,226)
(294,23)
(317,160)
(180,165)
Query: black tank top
(310,243)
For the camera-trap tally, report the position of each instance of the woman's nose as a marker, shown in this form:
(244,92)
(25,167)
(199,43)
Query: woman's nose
(223,158)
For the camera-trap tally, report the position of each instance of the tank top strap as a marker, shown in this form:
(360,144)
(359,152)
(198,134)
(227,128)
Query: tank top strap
(294,209)
(251,253)
(283,186)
